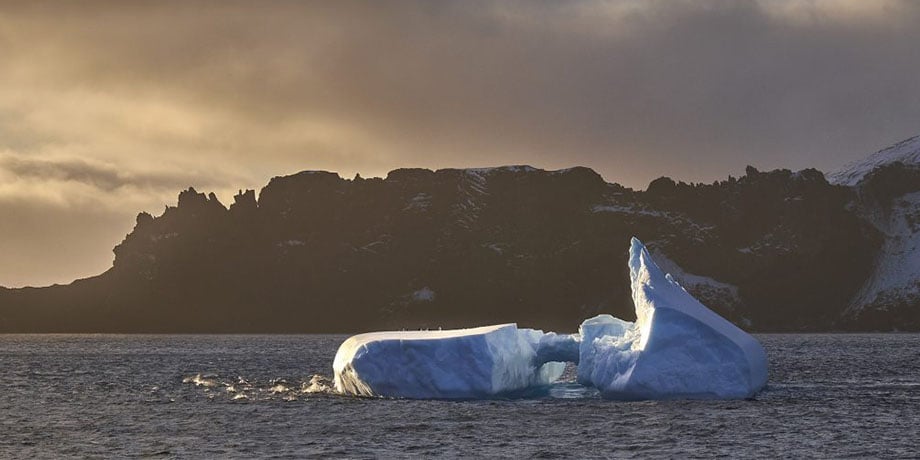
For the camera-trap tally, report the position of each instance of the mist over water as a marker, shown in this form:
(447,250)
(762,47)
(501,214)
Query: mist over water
(76,396)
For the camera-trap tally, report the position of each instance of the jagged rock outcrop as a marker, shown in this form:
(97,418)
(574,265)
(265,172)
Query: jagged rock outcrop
(314,252)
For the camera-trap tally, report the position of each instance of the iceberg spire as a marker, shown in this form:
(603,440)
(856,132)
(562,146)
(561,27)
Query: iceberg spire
(677,348)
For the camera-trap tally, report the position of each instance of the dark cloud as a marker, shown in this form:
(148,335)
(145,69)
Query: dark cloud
(155,94)
(106,178)
(596,83)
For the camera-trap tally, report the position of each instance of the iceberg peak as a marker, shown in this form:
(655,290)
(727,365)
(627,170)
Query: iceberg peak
(677,348)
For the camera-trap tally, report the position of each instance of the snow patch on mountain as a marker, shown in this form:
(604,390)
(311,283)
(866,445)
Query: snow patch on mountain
(471,188)
(694,282)
(710,290)
(508,168)
(620,209)
(419,203)
(424,294)
(906,151)
(896,270)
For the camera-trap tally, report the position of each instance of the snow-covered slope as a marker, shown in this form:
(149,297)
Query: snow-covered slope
(895,278)
(906,151)
(887,186)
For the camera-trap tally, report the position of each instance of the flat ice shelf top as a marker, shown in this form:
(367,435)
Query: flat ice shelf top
(425,335)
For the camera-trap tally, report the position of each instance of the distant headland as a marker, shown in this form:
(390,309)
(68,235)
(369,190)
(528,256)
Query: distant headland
(313,252)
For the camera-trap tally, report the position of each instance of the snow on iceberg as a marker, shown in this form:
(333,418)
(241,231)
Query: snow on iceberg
(484,362)
(677,347)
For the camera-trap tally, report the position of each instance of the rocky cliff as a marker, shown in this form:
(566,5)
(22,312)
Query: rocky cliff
(313,252)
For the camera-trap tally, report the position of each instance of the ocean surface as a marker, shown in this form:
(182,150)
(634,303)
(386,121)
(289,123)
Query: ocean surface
(245,396)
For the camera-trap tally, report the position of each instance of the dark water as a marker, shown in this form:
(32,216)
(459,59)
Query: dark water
(65,396)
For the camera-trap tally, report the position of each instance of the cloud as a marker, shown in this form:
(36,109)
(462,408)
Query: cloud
(596,83)
(99,176)
(140,97)
(102,176)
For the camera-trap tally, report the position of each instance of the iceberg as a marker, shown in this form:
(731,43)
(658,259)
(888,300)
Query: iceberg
(483,362)
(676,349)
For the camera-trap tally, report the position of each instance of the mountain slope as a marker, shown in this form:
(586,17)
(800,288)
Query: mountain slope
(888,197)
(906,152)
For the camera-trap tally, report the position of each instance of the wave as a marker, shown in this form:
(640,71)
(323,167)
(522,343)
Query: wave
(243,389)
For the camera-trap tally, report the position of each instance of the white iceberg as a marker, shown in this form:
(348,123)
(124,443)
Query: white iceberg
(484,362)
(677,348)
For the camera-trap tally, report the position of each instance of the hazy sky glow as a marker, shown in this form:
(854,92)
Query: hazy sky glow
(110,108)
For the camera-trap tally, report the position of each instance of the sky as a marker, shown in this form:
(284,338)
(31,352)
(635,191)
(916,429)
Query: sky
(111,108)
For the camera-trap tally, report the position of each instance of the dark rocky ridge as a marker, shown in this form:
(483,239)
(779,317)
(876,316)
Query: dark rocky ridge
(317,253)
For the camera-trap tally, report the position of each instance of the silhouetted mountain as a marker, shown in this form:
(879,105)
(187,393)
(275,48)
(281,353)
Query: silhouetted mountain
(772,251)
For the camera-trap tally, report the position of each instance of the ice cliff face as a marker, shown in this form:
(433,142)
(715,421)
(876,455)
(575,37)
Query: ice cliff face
(482,362)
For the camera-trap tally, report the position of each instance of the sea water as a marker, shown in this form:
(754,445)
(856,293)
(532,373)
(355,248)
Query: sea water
(245,396)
